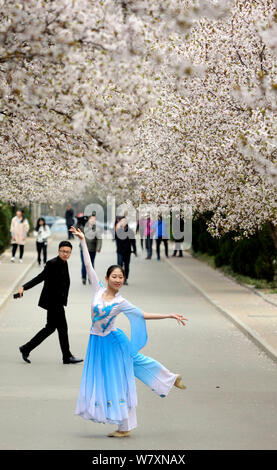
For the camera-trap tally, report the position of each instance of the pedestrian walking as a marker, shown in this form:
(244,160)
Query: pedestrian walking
(108,390)
(93,240)
(125,245)
(19,229)
(141,229)
(160,235)
(148,235)
(53,298)
(42,233)
(69,218)
(178,237)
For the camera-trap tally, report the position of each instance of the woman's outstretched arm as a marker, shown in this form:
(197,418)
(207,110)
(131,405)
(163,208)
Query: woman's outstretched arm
(89,268)
(157,316)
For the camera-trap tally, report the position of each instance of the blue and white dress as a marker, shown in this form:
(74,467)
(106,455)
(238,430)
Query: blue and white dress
(108,389)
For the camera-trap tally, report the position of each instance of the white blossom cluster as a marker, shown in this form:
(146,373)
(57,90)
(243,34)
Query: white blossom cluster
(157,101)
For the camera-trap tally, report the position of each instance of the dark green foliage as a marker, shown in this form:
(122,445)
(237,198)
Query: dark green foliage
(5,221)
(264,268)
(207,244)
(201,240)
(225,248)
(244,256)
(251,256)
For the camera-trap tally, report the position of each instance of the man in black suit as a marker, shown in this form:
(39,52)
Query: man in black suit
(53,298)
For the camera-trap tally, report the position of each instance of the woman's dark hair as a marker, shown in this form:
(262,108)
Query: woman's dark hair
(23,217)
(112,268)
(65,243)
(37,227)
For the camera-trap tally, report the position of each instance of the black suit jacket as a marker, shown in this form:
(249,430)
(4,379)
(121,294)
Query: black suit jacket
(125,245)
(56,283)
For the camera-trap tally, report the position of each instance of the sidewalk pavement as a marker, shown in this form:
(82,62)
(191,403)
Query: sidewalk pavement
(254,314)
(11,274)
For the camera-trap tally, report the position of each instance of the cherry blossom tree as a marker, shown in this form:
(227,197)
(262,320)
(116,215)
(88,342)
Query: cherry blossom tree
(212,140)
(162,102)
(71,91)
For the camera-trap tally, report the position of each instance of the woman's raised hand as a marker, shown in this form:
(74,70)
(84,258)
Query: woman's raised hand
(77,232)
(180,319)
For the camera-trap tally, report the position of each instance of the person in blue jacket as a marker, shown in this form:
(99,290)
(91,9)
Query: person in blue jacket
(160,235)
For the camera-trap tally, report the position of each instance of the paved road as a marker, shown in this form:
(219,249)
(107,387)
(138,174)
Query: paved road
(230,402)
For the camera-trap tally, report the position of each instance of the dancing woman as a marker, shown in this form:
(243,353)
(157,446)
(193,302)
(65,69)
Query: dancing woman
(108,390)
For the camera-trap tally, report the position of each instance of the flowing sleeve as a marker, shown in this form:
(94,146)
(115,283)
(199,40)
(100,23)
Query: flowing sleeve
(95,283)
(138,326)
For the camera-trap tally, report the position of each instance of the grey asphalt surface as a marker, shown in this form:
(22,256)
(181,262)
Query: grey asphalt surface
(230,401)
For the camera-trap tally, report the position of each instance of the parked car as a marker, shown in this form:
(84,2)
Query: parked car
(59,225)
(49,219)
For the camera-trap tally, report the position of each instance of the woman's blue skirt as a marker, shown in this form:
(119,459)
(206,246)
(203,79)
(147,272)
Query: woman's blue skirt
(108,389)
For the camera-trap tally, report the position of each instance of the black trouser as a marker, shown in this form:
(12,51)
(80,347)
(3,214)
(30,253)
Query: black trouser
(158,244)
(141,235)
(55,320)
(123,259)
(21,250)
(70,234)
(148,245)
(42,246)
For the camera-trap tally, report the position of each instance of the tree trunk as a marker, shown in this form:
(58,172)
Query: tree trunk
(273,232)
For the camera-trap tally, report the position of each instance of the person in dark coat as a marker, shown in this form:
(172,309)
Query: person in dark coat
(93,238)
(125,245)
(94,242)
(53,298)
(69,217)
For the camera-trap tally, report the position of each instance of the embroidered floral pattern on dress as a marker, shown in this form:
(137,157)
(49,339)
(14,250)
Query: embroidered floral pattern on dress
(104,327)
(98,315)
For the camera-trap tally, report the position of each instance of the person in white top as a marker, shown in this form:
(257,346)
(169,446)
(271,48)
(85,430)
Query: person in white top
(108,390)
(42,232)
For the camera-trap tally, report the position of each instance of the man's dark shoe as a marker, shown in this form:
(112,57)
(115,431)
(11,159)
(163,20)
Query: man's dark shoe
(72,360)
(83,280)
(24,355)
(126,282)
